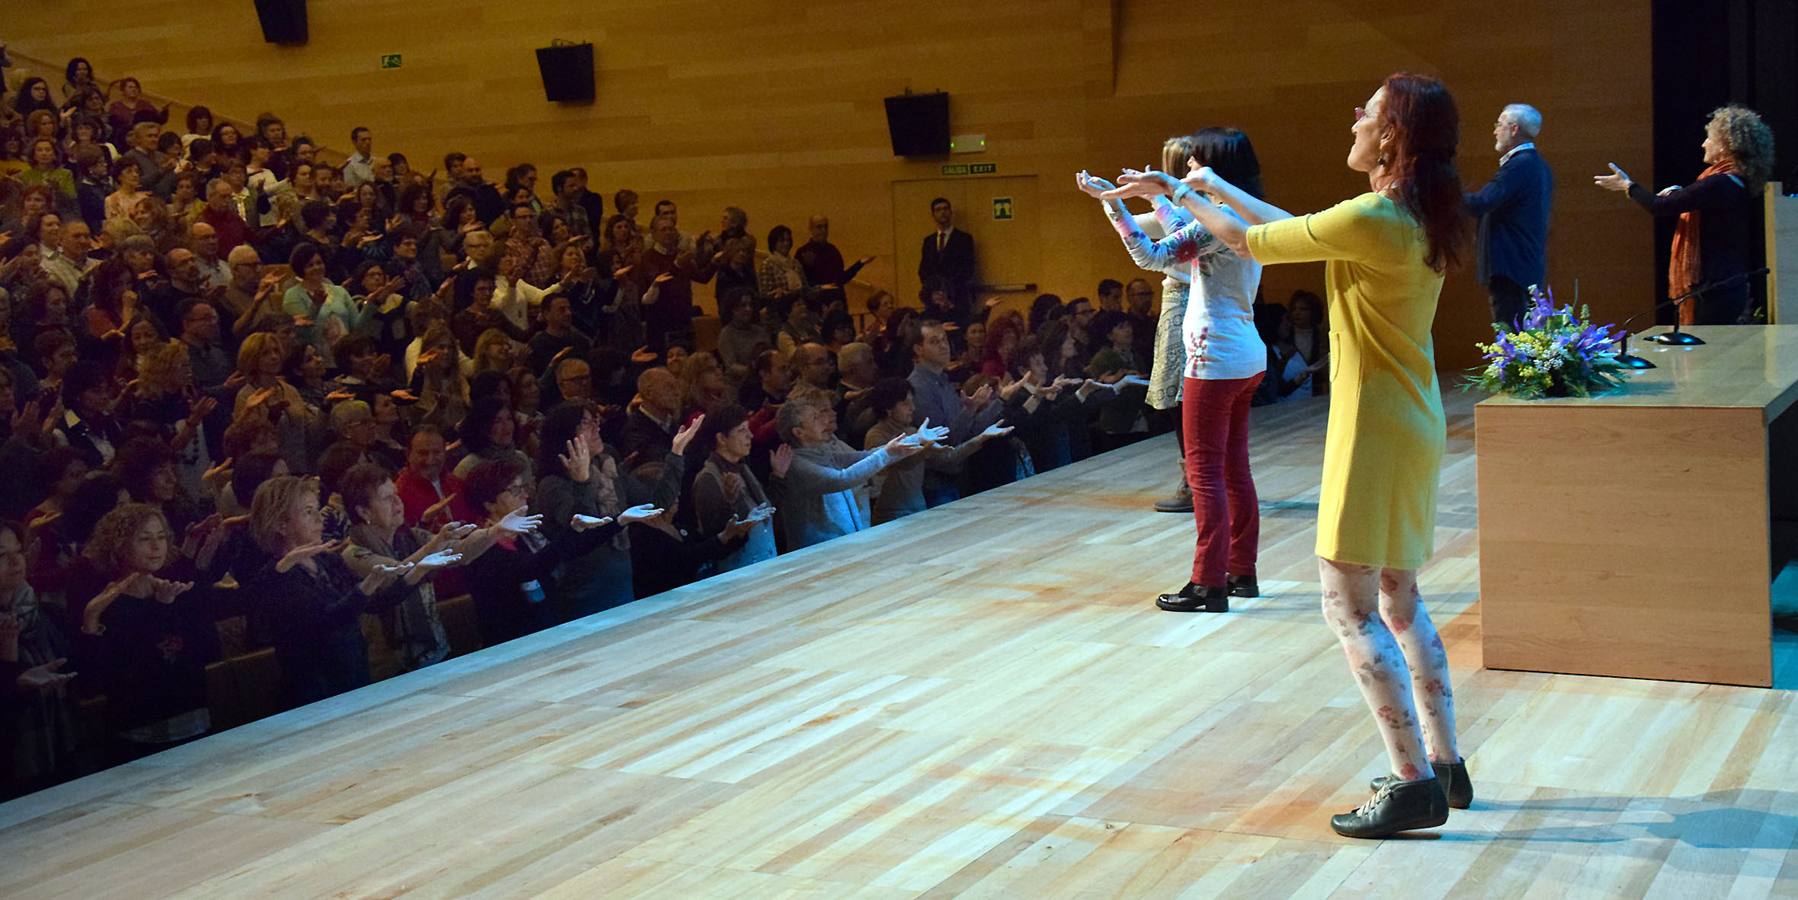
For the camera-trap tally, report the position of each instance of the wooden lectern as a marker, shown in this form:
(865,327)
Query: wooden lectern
(1631,534)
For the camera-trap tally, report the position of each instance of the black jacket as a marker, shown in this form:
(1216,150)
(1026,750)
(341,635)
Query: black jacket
(1513,209)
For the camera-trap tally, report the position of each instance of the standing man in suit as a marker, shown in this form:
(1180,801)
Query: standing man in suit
(947,260)
(1513,210)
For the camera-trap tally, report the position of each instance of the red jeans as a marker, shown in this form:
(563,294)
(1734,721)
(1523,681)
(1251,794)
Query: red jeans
(1215,419)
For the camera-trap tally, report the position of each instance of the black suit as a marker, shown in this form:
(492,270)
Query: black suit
(1513,236)
(951,267)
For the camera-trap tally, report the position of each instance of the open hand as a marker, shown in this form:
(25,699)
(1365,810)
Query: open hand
(685,436)
(1618,180)
(516,522)
(639,513)
(578,460)
(781,460)
(581,522)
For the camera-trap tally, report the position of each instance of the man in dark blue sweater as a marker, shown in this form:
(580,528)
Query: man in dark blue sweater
(1513,210)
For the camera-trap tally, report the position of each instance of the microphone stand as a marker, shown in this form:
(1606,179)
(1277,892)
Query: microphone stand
(1674,337)
(1680,338)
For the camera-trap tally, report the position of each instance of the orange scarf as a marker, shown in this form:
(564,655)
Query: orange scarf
(1683,272)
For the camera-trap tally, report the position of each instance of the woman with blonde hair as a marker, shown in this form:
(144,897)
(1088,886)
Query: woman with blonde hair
(164,394)
(1714,242)
(266,393)
(493,351)
(311,599)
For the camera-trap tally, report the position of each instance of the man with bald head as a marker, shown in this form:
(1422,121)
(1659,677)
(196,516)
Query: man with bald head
(1513,209)
(203,240)
(655,415)
(185,282)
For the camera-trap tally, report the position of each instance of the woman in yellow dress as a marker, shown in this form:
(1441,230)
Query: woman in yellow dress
(1385,253)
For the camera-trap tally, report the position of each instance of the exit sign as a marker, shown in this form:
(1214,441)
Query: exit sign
(390,60)
(971,169)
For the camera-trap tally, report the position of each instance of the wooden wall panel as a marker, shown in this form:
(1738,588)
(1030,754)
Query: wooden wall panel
(777,106)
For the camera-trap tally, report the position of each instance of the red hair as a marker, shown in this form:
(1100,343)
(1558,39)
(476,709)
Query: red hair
(1424,127)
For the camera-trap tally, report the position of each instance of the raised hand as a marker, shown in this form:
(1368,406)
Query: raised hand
(1618,180)
(685,436)
(47,677)
(516,522)
(781,460)
(641,513)
(996,430)
(439,508)
(931,434)
(981,397)
(166,591)
(1148,183)
(302,555)
(1091,185)
(578,461)
(581,523)
(732,485)
(1200,178)
(902,446)
(438,560)
(452,532)
(201,410)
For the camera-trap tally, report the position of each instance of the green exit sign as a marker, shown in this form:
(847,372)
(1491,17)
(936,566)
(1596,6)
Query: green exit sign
(390,60)
(971,169)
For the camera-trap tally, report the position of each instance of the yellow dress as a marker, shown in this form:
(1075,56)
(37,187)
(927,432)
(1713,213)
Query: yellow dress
(1383,452)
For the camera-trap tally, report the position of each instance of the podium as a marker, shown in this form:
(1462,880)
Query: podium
(1631,534)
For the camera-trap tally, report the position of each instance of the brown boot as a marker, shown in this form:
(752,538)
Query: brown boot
(1180,502)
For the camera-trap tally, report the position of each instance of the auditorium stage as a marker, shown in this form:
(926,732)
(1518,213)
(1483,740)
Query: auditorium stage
(978,700)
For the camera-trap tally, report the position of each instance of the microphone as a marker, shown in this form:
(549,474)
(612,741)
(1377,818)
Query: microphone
(1675,336)
(1682,339)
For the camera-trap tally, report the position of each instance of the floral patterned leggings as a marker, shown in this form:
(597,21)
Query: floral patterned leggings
(1395,654)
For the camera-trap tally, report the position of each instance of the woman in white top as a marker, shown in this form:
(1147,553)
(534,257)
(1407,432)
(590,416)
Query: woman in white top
(1225,362)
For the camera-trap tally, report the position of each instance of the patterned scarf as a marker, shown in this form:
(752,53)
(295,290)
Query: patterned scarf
(1683,272)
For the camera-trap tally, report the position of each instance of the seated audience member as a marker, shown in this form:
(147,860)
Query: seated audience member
(899,488)
(39,716)
(146,636)
(578,477)
(511,582)
(379,536)
(310,598)
(728,498)
(820,493)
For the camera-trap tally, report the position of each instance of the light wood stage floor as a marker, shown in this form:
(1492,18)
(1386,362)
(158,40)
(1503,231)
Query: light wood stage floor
(981,701)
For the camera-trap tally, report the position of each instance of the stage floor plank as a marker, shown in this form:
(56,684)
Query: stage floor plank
(977,701)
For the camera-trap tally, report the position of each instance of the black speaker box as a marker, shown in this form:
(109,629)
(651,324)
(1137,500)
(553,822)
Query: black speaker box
(567,73)
(919,124)
(283,21)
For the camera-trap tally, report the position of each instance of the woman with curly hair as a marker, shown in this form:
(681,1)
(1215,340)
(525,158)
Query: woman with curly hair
(1715,238)
(1386,252)
(147,632)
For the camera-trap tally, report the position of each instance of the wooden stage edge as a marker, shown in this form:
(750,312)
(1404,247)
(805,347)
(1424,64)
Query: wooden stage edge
(978,701)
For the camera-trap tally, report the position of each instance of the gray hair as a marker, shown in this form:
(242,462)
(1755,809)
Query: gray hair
(854,354)
(793,414)
(1527,118)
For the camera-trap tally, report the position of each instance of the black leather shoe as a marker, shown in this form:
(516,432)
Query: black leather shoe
(1196,598)
(1396,807)
(1454,780)
(1242,586)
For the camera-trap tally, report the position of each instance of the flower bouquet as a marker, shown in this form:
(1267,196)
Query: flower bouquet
(1553,353)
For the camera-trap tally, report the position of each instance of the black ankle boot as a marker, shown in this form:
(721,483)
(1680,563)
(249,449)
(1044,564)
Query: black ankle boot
(1397,806)
(1455,783)
(1196,598)
(1242,586)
